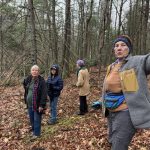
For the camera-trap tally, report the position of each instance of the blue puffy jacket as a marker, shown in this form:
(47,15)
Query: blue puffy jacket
(54,83)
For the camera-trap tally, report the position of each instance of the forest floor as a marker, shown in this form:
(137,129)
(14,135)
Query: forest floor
(72,132)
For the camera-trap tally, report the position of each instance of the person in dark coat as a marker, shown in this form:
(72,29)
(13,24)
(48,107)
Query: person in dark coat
(35,97)
(54,85)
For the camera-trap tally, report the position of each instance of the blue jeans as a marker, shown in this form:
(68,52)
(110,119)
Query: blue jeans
(35,120)
(53,109)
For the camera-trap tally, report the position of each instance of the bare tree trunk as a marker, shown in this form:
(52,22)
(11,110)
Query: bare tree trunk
(101,39)
(1,43)
(34,43)
(136,26)
(145,23)
(67,39)
(103,26)
(80,40)
(130,20)
(86,41)
(104,22)
(55,37)
(140,31)
(120,15)
(50,52)
(108,33)
(24,36)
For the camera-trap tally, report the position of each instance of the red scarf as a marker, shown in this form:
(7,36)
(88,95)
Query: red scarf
(34,93)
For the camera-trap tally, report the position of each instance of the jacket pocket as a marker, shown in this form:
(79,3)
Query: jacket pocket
(129,81)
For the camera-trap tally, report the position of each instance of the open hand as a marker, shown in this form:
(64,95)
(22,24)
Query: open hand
(40,109)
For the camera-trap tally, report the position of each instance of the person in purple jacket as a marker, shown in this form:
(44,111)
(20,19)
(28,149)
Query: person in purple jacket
(54,86)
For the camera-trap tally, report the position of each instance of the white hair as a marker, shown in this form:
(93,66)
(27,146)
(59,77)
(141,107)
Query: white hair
(35,67)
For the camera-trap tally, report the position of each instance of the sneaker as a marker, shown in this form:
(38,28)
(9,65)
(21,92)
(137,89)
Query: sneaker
(34,137)
(51,122)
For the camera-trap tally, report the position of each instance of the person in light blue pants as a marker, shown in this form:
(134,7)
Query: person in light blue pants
(54,86)
(35,120)
(35,97)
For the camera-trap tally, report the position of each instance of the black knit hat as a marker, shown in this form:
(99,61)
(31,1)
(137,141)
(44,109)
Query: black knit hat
(126,39)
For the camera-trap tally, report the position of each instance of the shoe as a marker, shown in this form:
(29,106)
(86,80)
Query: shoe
(86,111)
(80,113)
(51,122)
(34,137)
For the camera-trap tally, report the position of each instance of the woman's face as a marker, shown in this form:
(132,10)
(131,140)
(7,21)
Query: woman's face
(53,71)
(121,49)
(34,72)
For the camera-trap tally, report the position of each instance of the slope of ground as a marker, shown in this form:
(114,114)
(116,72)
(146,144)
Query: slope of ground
(73,132)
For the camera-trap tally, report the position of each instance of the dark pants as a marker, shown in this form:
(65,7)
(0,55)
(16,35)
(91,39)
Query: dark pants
(35,120)
(121,130)
(83,104)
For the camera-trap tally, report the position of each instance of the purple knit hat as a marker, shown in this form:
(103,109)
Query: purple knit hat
(80,62)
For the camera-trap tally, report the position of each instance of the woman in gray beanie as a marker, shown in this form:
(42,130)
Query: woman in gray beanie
(83,85)
(126,98)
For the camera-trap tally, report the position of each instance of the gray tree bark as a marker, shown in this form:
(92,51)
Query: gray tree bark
(33,32)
